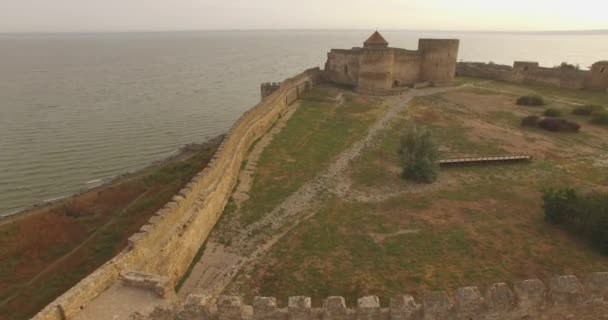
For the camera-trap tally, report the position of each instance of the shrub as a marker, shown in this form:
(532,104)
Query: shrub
(418,155)
(584,216)
(568,66)
(587,110)
(559,125)
(600,118)
(530,101)
(530,121)
(552,112)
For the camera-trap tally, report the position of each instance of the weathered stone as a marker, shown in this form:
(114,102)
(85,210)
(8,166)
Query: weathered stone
(229,308)
(161,313)
(368,308)
(299,308)
(500,298)
(469,303)
(597,285)
(566,290)
(264,308)
(197,306)
(530,295)
(404,307)
(437,306)
(335,308)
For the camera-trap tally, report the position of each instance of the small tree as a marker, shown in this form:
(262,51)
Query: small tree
(419,155)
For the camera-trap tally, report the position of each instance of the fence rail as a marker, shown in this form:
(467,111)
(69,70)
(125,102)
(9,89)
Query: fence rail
(475,160)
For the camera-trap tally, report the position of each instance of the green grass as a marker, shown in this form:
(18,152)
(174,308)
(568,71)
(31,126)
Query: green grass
(313,136)
(478,225)
(550,93)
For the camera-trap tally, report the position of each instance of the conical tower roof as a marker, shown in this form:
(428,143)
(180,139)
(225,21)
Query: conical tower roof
(376,40)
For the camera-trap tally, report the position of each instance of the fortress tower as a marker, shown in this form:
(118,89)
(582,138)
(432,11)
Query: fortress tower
(377,68)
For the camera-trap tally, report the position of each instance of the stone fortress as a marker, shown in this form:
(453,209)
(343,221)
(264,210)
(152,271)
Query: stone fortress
(525,72)
(159,254)
(379,69)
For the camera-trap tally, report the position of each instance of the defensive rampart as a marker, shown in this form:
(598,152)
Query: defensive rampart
(161,252)
(565,297)
(532,73)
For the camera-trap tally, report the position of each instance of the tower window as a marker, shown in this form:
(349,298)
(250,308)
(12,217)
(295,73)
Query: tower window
(602,69)
(345,69)
(525,68)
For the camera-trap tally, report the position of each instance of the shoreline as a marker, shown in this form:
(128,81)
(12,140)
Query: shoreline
(184,152)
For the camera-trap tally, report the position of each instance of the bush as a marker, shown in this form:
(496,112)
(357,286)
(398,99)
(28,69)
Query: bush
(418,155)
(587,110)
(559,125)
(568,66)
(584,216)
(530,101)
(552,112)
(530,121)
(600,118)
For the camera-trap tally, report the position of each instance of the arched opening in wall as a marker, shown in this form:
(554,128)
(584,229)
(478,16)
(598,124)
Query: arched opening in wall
(602,69)
(395,83)
(525,68)
(346,69)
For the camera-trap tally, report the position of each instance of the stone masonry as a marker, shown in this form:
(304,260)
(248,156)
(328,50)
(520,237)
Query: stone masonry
(563,297)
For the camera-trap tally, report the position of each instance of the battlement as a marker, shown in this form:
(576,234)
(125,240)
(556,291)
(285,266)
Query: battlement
(267,88)
(379,69)
(530,72)
(563,297)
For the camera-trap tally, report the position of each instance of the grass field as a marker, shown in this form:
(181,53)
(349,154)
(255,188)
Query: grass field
(47,251)
(322,126)
(474,226)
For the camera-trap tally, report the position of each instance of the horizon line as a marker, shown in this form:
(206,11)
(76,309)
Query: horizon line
(303,29)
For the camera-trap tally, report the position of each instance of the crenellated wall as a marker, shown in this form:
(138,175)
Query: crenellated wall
(531,73)
(563,297)
(382,70)
(164,248)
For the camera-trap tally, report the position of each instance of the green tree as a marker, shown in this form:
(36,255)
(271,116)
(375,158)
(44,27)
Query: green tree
(419,155)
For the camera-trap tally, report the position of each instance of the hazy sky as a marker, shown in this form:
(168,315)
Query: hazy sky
(136,15)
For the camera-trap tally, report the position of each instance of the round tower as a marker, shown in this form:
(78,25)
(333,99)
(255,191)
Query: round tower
(438,60)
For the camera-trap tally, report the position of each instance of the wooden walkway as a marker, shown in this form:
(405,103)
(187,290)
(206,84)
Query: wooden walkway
(478,160)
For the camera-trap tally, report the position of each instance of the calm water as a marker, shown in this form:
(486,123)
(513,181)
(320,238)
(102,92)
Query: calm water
(76,110)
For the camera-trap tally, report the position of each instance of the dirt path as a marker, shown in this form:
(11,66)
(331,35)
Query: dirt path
(219,264)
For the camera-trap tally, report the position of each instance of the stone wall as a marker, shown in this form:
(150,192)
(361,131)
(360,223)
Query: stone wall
(563,297)
(531,73)
(439,58)
(406,67)
(375,70)
(165,246)
(598,80)
(383,70)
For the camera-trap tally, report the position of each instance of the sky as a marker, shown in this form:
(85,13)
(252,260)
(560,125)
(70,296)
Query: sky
(168,15)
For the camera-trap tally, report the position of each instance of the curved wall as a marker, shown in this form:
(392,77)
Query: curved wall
(168,243)
(438,59)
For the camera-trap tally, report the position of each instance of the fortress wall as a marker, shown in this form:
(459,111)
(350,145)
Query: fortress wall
(168,243)
(406,67)
(528,73)
(439,58)
(561,298)
(375,70)
(598,78)
(342,67)
(484,71)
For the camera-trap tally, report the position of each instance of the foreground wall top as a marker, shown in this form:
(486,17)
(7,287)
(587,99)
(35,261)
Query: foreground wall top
(564,297)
